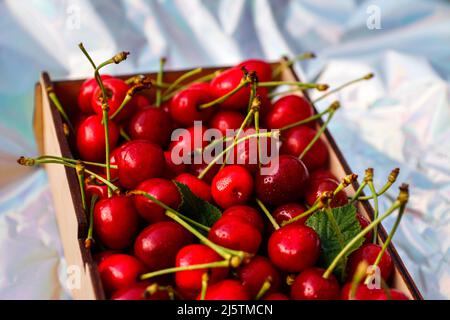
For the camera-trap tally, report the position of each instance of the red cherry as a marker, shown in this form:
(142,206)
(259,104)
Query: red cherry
(233,185)
(157,245)
(116,90)
(286,182)
(369,253)
(395,295)
(91,138)
(113,160)
(198,187)
(184,106)
(172,169)
(266,104)
(85,94)
(276,296)
(256,272)
(226,120)
(200,86)
(186,141)
(310,285)
(196,169)
(115,221)
(197,254)
(235,233)
(164,191)
(119,271)
(318,187)
(137,292)
(287,110)
(321,174)
(288,211)
(362,292)
(246,213)
(102,255)
(295,140)
(100,190)
(140,102)
(139,160)
(226,82)
(151,124)
(363,222)
(226,290)
(261,67)
(294,248)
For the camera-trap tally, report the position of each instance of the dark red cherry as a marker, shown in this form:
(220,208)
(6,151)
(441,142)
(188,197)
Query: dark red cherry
(186,141)
(295,140)
(261,67)
(363,222)
(288,211)
(137,292)
(317,187)
(321,174)
(184,107)
(256,272)
(157,245)
(226,290)
(294,248)
(192,255)
(276,296)
(172,169)
(196,168)
(233,185)
(198,187)
(115,221)
(163,190)
(200,86)
(113,157)
(235,233)
(226,82)
(284,181)
(394,295)
(369,253)
(249,214)
(100,190)
(119,271)
(287,110)
(102,255)
(362,292)
(139,160)
(311,285)
(85,94)
(140,102)
(91,138)
(226,120)
(151,124)
(116,90)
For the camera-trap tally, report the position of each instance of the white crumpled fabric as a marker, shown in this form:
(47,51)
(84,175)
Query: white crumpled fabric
(400,118)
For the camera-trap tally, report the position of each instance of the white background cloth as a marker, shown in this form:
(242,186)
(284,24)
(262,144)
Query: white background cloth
(401,118)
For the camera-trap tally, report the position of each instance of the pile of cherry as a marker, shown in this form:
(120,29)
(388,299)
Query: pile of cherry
(257,249)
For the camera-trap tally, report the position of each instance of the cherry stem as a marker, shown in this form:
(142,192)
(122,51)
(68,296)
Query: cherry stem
(75,161)
(80,169)
(360,273)
(90,238)
(125,101)
(402,199)
(358,192)
(303,85)
(366,77)
(180,79)
(391,179)
(311,210)
(205,279)
(153,288)
(375,211)
(54,98)
(264,288)
(245,81)
(124,135)
(272,220)
(159,80)
(105,111)
(216,264)
(279,93)
(283,65)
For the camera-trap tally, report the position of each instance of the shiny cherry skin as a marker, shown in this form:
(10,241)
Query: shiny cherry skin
(287,110)
(369,252)
(113,159)
(139,160)
(276,296)
(226,290)
(91,138)
(184,107)
(226,120)
(247,213)
(196,168)
(231,186)
(140,102)
(151,124)
(285,182)
(85,94)
(194,254)
(185,142)
(288,211)
(310,285)
(261,67)
(198,187)
(157,245)
(363,222)
(200,86)
(116,90)
(172,169)
(225,82)
(321,174)
(395,295)
(235,233)
(163,190)
(253,275)
(115,221)
(119,271)
(317,187)
(294,248)
(362,292)
(137,292)
(295,140)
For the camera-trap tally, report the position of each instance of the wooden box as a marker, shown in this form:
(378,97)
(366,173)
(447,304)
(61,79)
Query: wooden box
(73,224)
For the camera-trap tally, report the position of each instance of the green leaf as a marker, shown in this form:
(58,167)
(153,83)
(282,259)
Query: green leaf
(195,208)
(349,227)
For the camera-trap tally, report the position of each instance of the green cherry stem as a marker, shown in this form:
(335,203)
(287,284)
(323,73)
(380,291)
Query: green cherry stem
(80,169)
(205,279)
(303,85)
(159,80)
(145,83)
(402,199)
(283,65)
(105,113)
(272,220)
(124,135)
(359,275)
(54,98)
(75,161)
(264,288)
(366,77)
(391,180)
(375,209)
(358,192)
(90,238)
(180,79)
